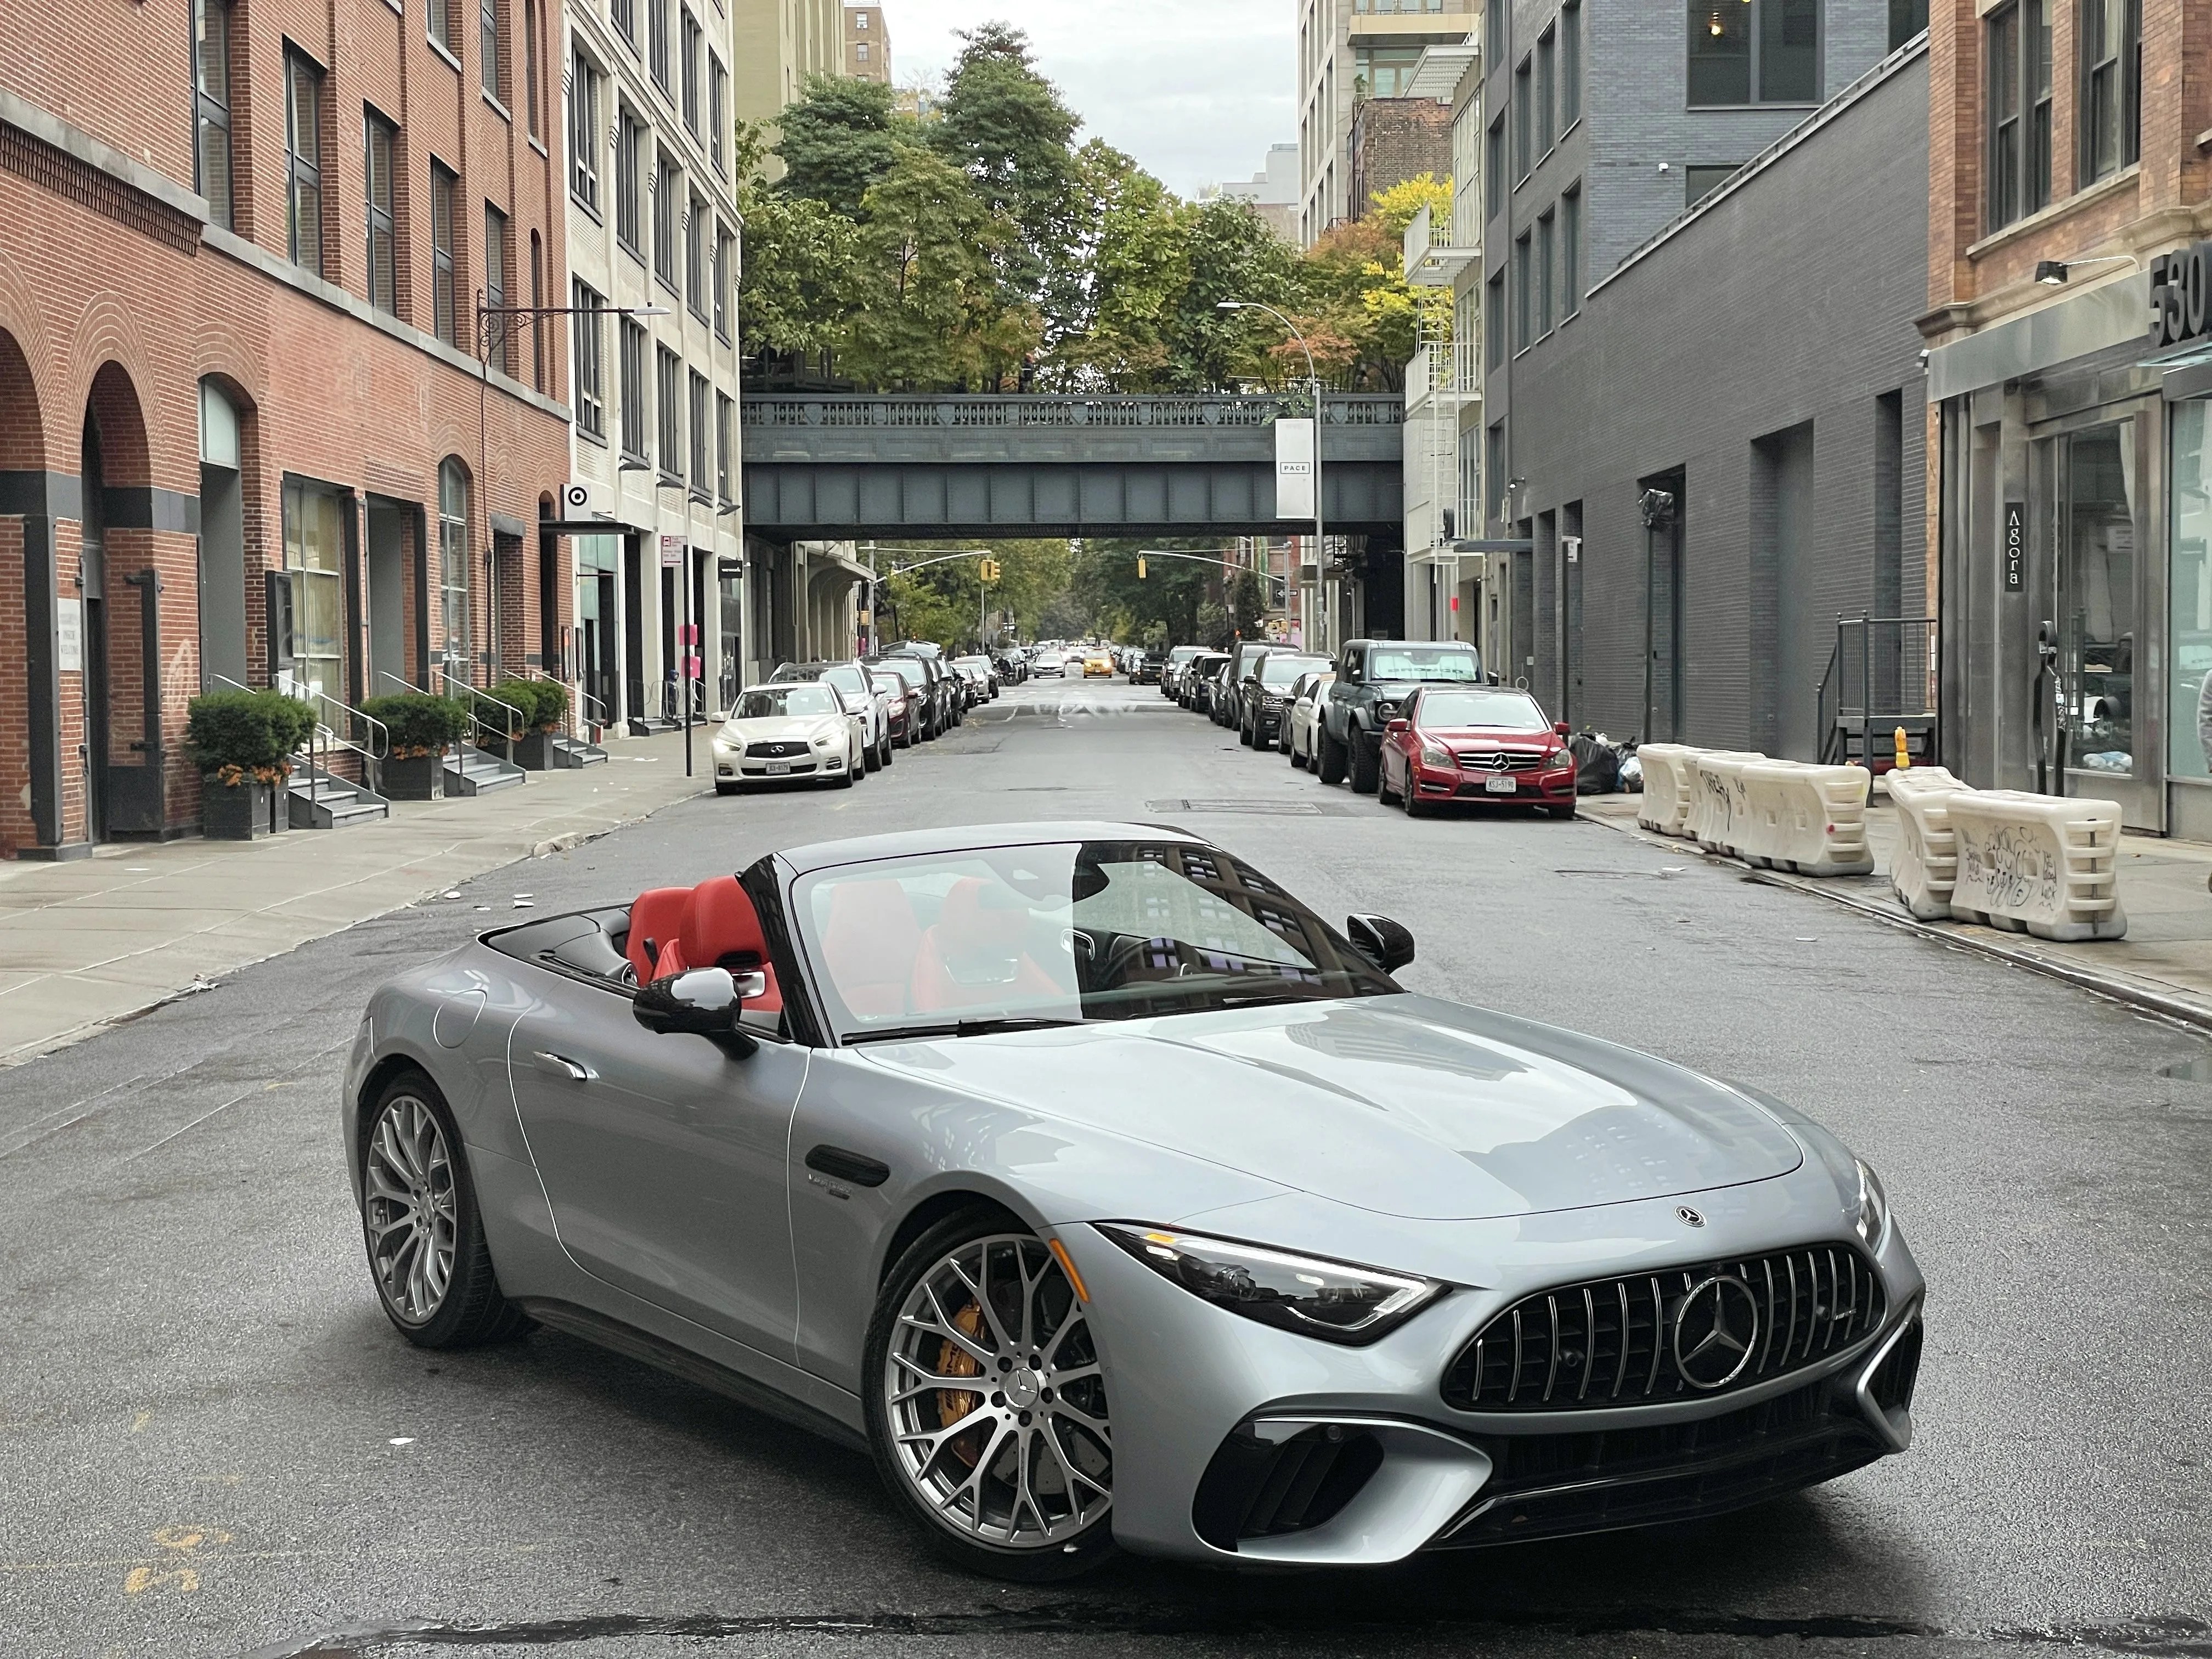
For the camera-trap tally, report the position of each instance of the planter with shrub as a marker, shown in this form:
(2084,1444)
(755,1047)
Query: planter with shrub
(242,743)
(544,706)
(421,726)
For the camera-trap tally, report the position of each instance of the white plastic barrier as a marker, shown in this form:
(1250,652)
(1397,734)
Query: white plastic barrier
(1666,799)
(1808,818)
(2037,863)
(1923,863)
(1718,812)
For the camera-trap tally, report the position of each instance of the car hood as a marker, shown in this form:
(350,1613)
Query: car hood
(786,728)
(1504,737)
(1402,1105)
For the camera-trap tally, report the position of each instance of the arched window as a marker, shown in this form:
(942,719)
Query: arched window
(453,568)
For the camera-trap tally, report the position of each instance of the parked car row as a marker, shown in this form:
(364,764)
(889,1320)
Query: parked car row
(836,722)
(1419,723)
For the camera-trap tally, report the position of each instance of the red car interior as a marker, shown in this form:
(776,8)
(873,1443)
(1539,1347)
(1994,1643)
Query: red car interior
(713,924)
(871,941)
(656,923)
(975,956)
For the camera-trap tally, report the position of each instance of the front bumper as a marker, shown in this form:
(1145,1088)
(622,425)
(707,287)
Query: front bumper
(1464,784)
(1235,1442)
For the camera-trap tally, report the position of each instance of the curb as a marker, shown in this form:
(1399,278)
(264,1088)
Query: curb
(2132,992)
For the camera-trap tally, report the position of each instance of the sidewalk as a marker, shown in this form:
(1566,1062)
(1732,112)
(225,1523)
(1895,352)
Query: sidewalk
(86,943)
(2163,964)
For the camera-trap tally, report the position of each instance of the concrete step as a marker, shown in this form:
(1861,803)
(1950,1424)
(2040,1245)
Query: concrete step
(574,751)
(316,800)
(480,773)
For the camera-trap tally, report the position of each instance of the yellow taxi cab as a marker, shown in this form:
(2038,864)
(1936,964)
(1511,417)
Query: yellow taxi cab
(1097,659)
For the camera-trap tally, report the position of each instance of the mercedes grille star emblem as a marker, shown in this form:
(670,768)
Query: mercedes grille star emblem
(1688,1217)
(1501,761)
(1715,1327)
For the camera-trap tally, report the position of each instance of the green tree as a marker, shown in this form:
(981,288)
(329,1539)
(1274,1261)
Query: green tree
(1136,247)
(838,141)
(1232,255)
(802,276)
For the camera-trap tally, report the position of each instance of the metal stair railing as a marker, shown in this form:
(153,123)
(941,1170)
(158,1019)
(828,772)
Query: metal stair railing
(1881,675)
(373,747)
(514,728)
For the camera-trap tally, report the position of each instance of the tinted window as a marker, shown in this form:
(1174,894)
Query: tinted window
(765,702)
(1281,670)
(849,680)
(1508,711)
(1422,662)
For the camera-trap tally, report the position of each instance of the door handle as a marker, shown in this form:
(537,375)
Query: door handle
(842,1165)
(577,1071)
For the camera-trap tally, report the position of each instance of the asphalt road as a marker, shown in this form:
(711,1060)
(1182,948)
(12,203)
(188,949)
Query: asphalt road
(212,1444)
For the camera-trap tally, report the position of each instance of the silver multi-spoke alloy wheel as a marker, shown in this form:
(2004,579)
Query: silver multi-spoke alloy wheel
(994,1397)
(410,1209)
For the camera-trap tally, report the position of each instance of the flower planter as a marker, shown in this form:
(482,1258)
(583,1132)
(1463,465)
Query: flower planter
(238,811)
(415,777)
(533,752)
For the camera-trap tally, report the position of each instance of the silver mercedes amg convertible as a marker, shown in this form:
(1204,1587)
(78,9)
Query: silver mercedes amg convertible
(1106,1194)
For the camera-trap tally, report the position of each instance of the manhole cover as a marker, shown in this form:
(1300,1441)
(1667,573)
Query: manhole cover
(1272,809)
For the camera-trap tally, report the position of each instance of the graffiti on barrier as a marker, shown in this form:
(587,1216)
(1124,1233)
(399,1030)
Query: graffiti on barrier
(2005,868)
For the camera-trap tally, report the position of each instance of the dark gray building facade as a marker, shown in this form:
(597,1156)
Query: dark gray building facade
(1757,360)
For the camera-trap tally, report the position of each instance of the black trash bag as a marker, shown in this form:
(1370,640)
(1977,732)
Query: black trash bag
(1597,763)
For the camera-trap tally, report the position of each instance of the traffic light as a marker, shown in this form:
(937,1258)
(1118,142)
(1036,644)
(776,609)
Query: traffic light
(1140,567)
(988,569)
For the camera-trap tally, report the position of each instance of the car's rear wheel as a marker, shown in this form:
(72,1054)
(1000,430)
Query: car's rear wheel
(1366,762)
(987,1404)
(427,1251)
(871,758)
(1297,759)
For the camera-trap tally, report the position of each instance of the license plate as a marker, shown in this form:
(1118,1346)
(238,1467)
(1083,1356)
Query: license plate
(778,769)
(1500,786)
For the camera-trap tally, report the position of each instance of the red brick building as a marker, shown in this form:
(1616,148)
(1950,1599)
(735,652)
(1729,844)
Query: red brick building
(2070,477)
(242,247)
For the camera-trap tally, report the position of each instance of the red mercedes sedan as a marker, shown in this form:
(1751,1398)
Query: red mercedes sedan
(1487,743)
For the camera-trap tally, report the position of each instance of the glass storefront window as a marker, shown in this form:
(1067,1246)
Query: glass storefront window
(453,570)
(314,532)
(2188,586)
(2098,600)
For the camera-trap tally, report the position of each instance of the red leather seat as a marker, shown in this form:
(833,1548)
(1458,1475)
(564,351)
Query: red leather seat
(656,922)
(722,929)
(977,956)
(869,944)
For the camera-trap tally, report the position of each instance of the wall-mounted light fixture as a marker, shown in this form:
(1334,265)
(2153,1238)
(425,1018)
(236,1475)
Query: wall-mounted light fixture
(2052,273)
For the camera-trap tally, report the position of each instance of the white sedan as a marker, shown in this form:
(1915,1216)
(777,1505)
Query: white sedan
(1302,721)
(778,733)
(1048,662)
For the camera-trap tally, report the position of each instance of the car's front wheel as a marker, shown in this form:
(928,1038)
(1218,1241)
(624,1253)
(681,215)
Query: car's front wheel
(987,1404)
(427,1250)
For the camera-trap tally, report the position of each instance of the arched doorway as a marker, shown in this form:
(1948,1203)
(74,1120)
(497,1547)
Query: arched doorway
(119,628)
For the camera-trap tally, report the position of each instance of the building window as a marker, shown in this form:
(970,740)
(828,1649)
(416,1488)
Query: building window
(725,249)
(860,20)
(726,421)
(1547,272)
(529,61)
(2018,43)
(537,304)
(1547,66)
(701,431)
(211,106)
(591,373)
(636,430)
(660,46)
(629,182)
(441,22)
(1493,463)
(668,386)
(2111,85)
(497,332)
(1523,310)
(303,161)
(453,568)
(1493,172)
(1524,109)
(622,14)
(380,140)
(667,204)
(1701,181)
(717,116)
(1493,320)
(1906,19)
(488,45)
(1571,252)
(1571,66)
(695,257)
(314,539)
(1754,51)
(445,316)
(1493,29)
(692,113)
(1383,71)
(860,52)
(584,134)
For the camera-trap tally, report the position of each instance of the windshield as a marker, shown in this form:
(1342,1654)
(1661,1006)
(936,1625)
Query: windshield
(890,683)
(1066,932)
(1505,711)
(768,702)
(1422,662)
(1182,654)
(912,672)
(847,680)
(1281,670)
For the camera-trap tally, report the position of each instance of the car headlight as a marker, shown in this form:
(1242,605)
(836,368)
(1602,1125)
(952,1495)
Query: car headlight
(823,741)
(1433,754)
(1332,1300)
(1385,708)
(1873,1218)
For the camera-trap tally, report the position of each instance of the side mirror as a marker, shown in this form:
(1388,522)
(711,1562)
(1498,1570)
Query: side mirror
(1385,943)
(701,1002)
(1398,727)
(1560,727)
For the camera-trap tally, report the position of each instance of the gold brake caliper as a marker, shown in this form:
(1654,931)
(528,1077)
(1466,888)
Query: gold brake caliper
(953,1404)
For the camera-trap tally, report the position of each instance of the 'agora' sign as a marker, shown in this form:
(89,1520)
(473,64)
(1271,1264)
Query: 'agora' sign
(2180,295)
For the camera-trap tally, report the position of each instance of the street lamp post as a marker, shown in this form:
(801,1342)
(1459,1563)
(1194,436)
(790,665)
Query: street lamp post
(1313,378)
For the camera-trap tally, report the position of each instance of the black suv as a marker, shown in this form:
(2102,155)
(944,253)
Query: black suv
(1261,700)
(1373,679)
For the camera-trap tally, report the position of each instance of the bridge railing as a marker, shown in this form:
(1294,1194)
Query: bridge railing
(831,410)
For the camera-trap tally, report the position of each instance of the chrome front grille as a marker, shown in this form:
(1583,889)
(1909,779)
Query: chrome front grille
(774,750)
(1486,760)
(1615,1341)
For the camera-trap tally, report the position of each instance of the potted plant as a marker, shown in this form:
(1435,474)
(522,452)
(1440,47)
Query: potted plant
(544,706)
(421,725)
(242,743)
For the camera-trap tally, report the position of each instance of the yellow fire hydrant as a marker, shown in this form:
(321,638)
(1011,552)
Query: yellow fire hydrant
(1904,755)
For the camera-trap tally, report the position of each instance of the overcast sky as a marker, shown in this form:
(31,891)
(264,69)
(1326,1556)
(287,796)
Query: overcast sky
(1195,89)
